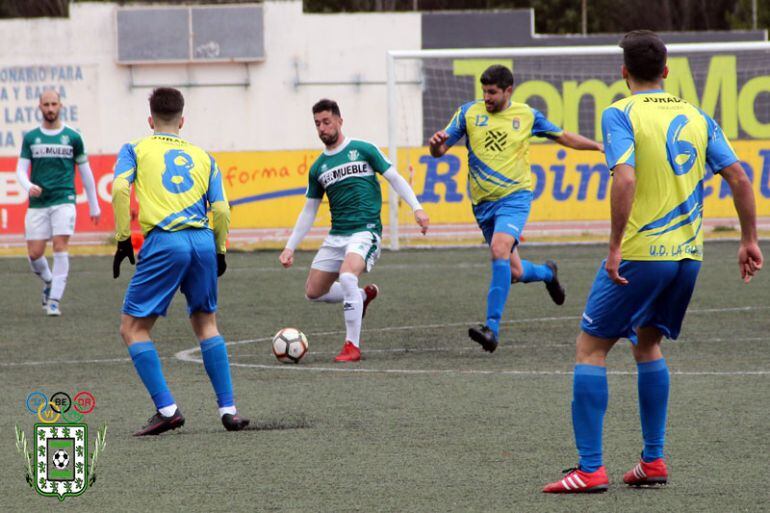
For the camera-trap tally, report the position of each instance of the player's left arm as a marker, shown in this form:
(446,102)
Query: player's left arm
(405,191)
(125,172)
(542,127)
(220,213)
(382,165)
(89,184)
(578,142)
(87,177)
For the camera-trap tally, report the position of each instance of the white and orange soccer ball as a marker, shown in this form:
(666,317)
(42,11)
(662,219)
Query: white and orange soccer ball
(289,345)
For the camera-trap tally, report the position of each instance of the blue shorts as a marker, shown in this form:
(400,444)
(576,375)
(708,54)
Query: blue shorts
(506,215)
(657,295)
(169,261)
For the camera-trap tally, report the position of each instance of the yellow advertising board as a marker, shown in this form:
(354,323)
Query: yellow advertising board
(266,189)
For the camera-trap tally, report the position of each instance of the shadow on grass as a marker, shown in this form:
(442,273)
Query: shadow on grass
(299,422)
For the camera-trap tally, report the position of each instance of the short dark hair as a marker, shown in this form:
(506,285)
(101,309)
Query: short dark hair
(497,75)
(326,104)
(644,55)
(166,103)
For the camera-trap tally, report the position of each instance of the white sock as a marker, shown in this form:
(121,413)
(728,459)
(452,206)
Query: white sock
(224,410)
(40,267)
(168,411)
(333,296)
(61,268)
(353,307)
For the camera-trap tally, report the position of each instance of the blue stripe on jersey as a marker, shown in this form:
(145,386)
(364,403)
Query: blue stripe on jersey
(486,172)
(195,213)
(693,206)
(477,182)
(697,231)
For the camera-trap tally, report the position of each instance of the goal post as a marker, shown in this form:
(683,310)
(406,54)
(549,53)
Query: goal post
(571,85)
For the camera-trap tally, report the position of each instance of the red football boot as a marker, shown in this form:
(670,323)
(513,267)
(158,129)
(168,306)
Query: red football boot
(647,474)
(577,481)
(349,353)
(371,292)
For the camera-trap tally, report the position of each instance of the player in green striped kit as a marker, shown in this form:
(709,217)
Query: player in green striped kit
(347,173)
(51,151)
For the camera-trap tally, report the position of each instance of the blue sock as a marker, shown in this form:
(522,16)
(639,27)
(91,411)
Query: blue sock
(214,355)
(498,292)
(653,383)
(147,364)
(590,394)
(535,272)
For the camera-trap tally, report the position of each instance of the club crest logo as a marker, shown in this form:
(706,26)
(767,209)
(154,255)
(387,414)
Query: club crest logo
(59,464)
(516,123)
(353,155)
(324,167)
(61,459)
(38,140)
(65,139)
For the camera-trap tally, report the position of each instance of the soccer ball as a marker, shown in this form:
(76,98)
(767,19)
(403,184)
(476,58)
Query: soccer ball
(289,345)
(60,459)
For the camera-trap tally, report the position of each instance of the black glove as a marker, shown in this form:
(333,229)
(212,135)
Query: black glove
(221,264)
(125,249)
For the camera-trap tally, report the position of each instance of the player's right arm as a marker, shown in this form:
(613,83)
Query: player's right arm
(721,158)
(442,140)
(125,172)
(620,148)
(301,227)
(314,194)
(22,170)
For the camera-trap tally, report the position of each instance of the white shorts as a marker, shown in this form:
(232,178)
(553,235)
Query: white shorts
(43,223)
(332,252)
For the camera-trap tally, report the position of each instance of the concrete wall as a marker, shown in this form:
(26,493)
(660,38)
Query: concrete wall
(108,102)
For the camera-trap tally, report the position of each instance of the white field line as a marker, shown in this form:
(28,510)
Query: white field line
(187,355)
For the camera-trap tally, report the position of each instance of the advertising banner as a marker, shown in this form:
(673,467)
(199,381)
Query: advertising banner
(267,189)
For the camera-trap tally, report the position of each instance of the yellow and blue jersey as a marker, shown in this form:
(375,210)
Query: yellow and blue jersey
(498,146)
(175,182)
(669,143)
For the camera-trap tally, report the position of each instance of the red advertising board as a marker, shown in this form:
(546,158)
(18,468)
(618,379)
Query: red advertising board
(13,199)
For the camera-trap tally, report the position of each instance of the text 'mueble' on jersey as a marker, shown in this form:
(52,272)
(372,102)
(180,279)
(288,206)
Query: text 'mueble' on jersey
(669,143)
(498,146)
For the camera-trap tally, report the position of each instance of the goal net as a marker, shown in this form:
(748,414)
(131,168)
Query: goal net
(571,86)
